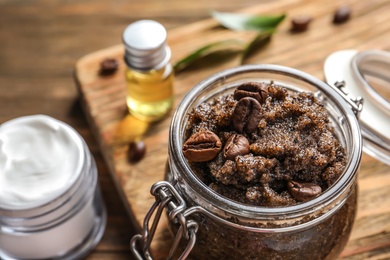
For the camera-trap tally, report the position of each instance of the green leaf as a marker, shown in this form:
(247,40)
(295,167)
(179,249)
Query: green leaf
(207,50)
(222,50)
(257,43)
(247,22)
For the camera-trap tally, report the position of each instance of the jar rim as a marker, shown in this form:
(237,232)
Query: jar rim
(236,208)
(81,164)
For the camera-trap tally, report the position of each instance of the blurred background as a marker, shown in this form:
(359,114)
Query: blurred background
(40,42)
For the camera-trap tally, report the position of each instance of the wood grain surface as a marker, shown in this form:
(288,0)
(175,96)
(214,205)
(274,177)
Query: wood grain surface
(104,101)
(40,43)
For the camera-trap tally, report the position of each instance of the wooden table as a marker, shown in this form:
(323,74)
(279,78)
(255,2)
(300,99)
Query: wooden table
(40,43)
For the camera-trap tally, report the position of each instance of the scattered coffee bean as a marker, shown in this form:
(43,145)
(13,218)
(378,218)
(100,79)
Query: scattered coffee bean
(108,66)
(235,145)
(246,115)
(342,15)
(303,191)
(254,90)
(202,146)
(136,151)
(300,23)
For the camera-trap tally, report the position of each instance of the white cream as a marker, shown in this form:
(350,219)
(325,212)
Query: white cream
(50,202)
(39,160)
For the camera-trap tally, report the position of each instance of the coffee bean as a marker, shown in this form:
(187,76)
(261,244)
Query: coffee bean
(202,146)
(300,23)
(108,66)
(342,15)
(303,191)
(235,145)
(246,115)
(136,151)
(254,90)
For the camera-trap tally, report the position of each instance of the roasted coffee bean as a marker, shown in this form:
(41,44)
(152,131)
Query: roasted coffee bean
(235,145)
(202,146)
(246,115)
(136,151)
(303,191)
(300,23)
(254,90)
(342,15)
(108,66)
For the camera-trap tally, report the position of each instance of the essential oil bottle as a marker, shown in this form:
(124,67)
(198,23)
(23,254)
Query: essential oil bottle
(149,75)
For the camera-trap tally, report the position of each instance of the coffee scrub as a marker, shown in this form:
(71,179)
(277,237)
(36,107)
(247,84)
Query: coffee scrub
(262,165)
(279,148)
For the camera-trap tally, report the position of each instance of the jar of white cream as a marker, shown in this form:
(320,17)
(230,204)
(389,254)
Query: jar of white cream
(50,201)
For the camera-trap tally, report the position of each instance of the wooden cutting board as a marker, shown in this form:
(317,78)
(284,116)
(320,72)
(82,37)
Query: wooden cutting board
(104,101)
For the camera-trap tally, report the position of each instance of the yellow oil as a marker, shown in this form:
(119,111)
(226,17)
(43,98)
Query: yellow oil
(150,93)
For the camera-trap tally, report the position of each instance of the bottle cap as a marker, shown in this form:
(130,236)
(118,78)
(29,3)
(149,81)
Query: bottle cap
(145,43)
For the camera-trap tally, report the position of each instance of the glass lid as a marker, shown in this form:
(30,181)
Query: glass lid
(367,75)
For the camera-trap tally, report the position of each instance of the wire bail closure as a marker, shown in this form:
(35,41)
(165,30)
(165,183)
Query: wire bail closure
(356,103)
(166,196)
(361,73)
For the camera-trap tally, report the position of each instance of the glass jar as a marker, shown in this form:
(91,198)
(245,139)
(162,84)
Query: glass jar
(209,226)
(64,224)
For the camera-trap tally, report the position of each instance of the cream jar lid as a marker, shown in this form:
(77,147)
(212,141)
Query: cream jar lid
(354,69)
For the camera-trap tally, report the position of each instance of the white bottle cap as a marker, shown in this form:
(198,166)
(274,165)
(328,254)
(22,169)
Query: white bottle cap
(145,43)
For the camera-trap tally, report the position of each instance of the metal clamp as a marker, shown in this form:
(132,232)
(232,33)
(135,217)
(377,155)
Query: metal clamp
(355,103)
(166,196)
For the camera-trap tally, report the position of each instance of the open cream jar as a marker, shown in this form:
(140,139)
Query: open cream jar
(50,202)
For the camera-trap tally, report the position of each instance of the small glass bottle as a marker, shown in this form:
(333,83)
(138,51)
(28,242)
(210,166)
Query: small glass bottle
(149,75)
